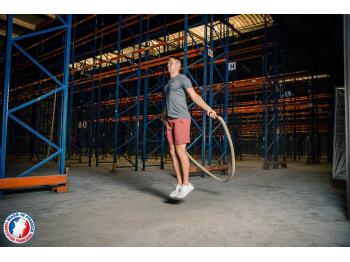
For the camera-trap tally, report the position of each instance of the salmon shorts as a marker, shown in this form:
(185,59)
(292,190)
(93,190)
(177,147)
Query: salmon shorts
(178,131)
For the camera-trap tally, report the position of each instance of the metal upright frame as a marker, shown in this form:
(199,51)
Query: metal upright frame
(81,130)
(186,67)
(71,100)
(273,131)
(138,91)
(21,180)
(153,130)
(126,91)
(197,127)
(312,134)
(276,91)
(145,102)
(117,87)
(221,76)
(92,97)
(97,134)
(346,36)
(203,135)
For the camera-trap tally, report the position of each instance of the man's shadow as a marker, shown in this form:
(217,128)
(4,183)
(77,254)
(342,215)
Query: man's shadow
(161,194)
(135,181)
(172,201)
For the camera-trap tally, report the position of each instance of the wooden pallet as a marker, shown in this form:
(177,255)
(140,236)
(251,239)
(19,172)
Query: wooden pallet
(223,168)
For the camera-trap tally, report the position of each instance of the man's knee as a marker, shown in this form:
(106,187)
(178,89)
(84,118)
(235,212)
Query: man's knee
(180,149)
(172,151)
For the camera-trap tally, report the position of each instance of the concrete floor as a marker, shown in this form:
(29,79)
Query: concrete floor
(296,206)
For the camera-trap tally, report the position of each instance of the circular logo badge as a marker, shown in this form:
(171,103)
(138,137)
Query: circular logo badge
(19,227)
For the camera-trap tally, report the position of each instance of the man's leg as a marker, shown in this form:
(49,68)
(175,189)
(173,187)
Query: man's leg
(176,164)
(184,162)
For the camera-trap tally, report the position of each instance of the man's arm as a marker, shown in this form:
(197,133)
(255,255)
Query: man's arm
(197,99)
(162,116)
(164,112)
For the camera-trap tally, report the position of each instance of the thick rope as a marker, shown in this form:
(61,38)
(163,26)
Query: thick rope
(227,132)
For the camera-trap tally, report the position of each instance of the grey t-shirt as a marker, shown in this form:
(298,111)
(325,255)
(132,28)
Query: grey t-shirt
(175,94)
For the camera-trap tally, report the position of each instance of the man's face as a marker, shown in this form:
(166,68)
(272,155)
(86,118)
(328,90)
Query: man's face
(173,65)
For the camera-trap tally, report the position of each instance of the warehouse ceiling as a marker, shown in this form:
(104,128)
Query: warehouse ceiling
(241,23)
(311,42)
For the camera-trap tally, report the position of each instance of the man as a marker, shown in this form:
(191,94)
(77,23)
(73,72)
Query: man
(178,122)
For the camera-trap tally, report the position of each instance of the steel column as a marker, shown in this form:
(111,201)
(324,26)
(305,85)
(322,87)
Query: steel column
(71,102)
(138,96)
(65,93)
(211,79)
(117,84)
(91,126)
(145,103)
(266,163)
(204,92)
(347,104)
(6,95)
(276,104)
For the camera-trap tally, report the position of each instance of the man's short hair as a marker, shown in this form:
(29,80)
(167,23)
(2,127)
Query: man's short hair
(176,58)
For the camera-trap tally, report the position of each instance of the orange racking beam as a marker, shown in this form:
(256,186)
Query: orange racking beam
(59,182)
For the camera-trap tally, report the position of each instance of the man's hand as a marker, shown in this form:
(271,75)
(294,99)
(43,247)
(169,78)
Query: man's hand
(162,117)
(211,113)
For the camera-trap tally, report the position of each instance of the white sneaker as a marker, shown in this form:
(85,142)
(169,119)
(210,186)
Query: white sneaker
(174,193)
(185,190)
